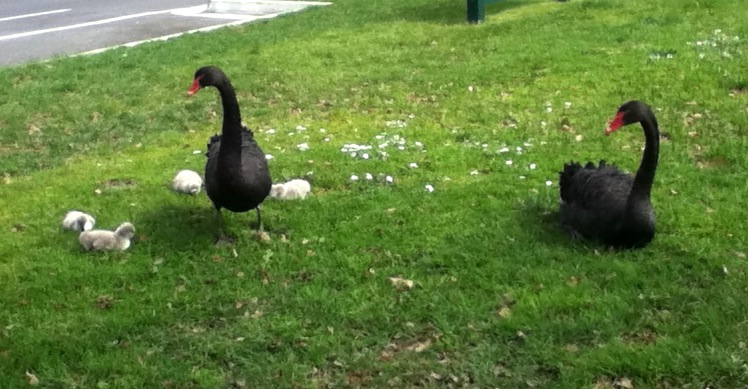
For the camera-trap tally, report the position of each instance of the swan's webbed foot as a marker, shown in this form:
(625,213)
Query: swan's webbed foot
(259,229)
(223,240)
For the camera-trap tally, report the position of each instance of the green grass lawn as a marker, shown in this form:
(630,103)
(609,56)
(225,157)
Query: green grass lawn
(501,298)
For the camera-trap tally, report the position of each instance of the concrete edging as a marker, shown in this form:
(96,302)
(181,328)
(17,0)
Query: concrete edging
(259,7)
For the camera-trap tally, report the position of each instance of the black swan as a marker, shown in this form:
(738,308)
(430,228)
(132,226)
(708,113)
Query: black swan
(604,204)
(236,172)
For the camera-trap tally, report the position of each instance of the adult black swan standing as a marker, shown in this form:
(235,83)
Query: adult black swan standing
(604,204)
(236,172)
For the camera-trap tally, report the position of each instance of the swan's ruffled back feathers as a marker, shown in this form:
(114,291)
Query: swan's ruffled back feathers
(215,140)
(594,201)
(590,184)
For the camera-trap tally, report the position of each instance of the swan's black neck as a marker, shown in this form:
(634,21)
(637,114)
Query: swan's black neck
(646,173)
(232,120)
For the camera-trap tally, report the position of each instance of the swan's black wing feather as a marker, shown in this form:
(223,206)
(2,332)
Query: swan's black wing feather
(593,199)
(212,147)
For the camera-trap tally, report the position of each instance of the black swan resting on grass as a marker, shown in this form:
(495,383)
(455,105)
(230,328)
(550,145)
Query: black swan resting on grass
(604,204)
(236,172)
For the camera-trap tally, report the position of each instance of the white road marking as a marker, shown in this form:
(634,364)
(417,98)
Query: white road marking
(198,11)
(246,19)
(56,11)
(87,24)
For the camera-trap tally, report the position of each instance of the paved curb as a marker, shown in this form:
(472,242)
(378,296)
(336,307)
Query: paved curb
(259,7)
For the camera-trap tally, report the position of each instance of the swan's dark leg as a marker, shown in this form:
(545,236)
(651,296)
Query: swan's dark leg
(221,238)
(259,220)
(260,232)
(256,225)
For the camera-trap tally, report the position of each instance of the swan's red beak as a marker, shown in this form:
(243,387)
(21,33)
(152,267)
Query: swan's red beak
(614,124)
(194,87)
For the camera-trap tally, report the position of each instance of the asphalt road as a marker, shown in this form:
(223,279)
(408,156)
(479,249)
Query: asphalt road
(40,29)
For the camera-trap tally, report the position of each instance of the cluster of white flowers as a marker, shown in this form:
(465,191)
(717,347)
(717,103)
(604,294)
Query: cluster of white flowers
(383,142)
(386,140)
(517,150)
(726,46)
(657,55)
(381,178)
(514,156)
(379,148)
(396,123)
(356,150)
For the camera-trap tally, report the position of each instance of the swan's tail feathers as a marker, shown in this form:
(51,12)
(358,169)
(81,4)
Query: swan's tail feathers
(589,165)
(573,180)
(570,169)
(566,177)
(251,134)
(213,140)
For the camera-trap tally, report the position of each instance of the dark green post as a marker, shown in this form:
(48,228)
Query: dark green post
(475,11)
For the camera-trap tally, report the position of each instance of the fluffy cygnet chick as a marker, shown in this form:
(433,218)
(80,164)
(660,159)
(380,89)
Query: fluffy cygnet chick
(108,240)
(78,221)
(187,182)
(291,190)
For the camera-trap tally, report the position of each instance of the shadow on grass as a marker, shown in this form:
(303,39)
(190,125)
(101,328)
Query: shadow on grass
(192,224)
(178,226)
(542,222)
(450,12)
